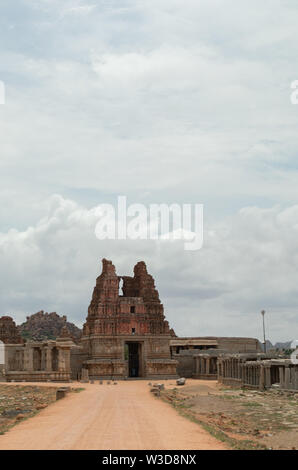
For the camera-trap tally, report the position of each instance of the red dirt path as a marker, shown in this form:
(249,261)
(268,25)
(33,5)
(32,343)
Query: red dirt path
(122,416)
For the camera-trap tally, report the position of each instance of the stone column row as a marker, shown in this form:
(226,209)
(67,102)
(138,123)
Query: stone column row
(47,359)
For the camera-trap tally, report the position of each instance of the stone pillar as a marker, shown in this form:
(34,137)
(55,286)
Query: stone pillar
(281,377)
(292,377)
(61,360)
(48,359)
(28,358)
(198,365)
(43,359)
(84,375)
(267,376)
(262,378)
(67,360)
(258,369)
(246,374)
(296,377)
(207,365)
(287,377)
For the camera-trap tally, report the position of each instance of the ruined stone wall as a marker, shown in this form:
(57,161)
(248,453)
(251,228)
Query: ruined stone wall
(8,331)
(241,345)
(258,372)
(77,358)
(39,361)
(185,366)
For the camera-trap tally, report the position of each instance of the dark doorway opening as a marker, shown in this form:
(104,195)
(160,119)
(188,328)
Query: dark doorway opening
(133,359)
(274,372)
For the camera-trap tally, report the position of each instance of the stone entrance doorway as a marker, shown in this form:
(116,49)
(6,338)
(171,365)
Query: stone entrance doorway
(134,359)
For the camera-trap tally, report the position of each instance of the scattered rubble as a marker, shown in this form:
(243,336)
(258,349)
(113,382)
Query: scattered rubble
(248,419)
(181,381)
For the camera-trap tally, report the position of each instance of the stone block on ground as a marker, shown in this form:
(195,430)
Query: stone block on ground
(60,393)
(181,381)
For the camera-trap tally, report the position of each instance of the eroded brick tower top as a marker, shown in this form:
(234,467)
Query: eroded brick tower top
(9,333)
(137,309)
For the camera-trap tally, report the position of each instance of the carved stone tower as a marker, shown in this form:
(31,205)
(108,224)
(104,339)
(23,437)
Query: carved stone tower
(127,335)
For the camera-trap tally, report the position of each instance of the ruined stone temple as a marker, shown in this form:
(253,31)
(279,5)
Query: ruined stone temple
(9,333)
(126,333)
(34,360)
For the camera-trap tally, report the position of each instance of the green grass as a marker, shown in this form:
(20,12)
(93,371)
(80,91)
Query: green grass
(230,397)
(252,404)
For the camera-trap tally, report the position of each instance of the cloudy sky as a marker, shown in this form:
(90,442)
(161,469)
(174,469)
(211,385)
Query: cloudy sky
(163,101)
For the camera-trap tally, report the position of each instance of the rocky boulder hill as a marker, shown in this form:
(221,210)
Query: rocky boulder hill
(42,326)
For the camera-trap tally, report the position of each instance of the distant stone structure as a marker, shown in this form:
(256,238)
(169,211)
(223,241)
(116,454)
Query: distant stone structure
(259,371)
(39,361)
(127,335)
(253,370)
(197,356)
(202,343)
(9,333)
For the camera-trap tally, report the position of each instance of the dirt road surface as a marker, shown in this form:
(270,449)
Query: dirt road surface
(122,416)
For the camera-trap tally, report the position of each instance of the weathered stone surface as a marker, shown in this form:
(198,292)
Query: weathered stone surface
(181,381)
(126,334)
(159,386)
(155,391)
(41,406)
(139,307)
(8,331)
(60,393)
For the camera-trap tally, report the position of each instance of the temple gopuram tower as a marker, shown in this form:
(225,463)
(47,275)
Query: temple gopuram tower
(9,333)
(126,334)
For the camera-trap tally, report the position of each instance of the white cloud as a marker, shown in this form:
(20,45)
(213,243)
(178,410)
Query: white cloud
(78,10)
(247,263)
(163,101)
